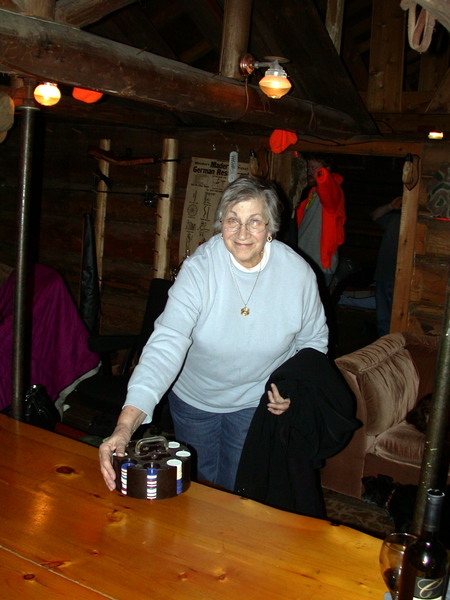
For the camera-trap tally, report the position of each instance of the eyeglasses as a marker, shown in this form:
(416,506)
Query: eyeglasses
(252,226)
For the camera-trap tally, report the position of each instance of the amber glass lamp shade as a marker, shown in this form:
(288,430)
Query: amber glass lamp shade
(275,83)
(47,94)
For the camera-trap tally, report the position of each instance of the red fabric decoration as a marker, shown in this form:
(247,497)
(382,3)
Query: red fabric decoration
(281,139)
(88,96)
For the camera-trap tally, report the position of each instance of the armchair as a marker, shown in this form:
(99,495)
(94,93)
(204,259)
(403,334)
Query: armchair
(388,378)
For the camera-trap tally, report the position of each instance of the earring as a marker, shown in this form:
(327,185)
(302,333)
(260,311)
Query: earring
(269,238)
(221,236)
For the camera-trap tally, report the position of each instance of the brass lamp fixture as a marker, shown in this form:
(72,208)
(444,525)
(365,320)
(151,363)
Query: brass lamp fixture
(47,94)
(275,82)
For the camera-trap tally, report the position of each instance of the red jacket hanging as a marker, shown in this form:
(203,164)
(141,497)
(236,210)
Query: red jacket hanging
(332,199)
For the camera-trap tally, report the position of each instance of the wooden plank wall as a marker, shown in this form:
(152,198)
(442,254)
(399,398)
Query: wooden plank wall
(431,261)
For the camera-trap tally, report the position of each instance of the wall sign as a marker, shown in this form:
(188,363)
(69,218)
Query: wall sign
(207,179)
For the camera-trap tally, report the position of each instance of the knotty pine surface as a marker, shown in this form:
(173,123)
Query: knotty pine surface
(63,534)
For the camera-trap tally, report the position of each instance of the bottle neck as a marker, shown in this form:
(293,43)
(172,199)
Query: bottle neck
(432,516)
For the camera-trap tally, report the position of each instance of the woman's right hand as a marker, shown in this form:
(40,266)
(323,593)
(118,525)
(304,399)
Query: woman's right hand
(117,442)
(129,420)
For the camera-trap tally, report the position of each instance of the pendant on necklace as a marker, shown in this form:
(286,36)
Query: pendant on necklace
(245,311)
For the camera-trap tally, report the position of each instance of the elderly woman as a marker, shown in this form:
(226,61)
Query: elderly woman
(241,305)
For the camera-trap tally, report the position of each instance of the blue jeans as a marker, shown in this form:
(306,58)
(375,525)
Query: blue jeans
(384,293)
(217,439)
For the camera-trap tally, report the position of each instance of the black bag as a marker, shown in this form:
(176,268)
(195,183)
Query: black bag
(39,410)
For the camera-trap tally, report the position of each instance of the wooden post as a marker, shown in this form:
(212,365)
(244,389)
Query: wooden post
(333,21)
(387,45)
(280,170)
(164,210)
(100,210)
(235,34)
(405,259)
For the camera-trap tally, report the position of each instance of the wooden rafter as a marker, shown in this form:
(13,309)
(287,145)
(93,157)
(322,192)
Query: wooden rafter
(441,100)
(14,5)
(296,31)
(333,21)
(386,57)
(52,50)
(81,13)
(78,13)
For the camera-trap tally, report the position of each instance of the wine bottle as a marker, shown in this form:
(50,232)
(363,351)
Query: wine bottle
(425,564)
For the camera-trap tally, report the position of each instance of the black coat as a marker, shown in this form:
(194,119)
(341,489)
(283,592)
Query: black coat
(282,453)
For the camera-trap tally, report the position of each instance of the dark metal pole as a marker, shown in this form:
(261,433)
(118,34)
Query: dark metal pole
(437,424)
(28,111)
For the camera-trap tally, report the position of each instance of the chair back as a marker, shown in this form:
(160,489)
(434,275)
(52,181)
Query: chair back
(156,302)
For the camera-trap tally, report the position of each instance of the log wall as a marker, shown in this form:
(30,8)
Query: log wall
(431,259)
(64,191)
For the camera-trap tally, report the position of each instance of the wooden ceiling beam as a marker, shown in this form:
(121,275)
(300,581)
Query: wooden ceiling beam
(429,72)
(236,28)
(12,5)
(415,125)
(67,55)
(386,57)
(441,100)
(81,13)
(38,8)
(296,30)
(208,18)
(78,13)
(145,35)
(333,22)
(195,52)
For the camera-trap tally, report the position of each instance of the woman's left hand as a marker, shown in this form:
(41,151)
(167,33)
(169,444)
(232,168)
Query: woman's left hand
(277,404)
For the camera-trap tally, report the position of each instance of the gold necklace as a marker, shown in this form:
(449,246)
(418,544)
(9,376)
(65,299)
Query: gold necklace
(245,311)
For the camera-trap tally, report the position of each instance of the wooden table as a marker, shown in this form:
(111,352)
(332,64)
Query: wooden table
(64,535)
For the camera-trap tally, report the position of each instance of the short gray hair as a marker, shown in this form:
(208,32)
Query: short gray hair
(251,188)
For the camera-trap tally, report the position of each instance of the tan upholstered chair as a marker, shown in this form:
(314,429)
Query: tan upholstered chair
(388,378)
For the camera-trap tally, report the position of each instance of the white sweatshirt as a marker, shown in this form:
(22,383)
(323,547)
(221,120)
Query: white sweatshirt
(219,359)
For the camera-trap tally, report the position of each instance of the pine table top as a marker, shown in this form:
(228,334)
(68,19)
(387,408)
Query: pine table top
(64,535)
